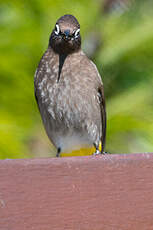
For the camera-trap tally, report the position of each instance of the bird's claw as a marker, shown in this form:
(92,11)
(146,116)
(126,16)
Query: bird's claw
(97,152)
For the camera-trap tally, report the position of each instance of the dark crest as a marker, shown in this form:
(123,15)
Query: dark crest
(65,38)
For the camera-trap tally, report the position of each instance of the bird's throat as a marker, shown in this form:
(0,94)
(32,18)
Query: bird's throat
(62,58)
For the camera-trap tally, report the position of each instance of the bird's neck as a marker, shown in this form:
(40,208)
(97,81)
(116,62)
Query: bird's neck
(62,58)
(64,48)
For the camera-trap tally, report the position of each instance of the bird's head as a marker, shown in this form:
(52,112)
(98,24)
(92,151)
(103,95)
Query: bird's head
(65,37)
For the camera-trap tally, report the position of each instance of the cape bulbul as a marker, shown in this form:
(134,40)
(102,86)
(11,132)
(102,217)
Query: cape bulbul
(69,92)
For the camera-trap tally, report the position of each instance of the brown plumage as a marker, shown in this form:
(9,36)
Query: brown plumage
(69,91)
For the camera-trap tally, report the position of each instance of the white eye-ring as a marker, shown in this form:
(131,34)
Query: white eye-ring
(57,29)
(77,33)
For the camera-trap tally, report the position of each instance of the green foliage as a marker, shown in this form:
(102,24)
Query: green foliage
(125,55)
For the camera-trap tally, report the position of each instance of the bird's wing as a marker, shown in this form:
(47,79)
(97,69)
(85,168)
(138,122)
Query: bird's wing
(35,87)
(103,115)
(102,106)
(39,75)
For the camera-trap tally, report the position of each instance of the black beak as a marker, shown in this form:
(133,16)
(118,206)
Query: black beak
(66,35)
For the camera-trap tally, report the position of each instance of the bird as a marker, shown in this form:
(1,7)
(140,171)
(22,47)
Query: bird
(69,92)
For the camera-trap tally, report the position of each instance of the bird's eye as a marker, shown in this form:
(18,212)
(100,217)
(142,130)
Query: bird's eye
(77,33)
(57,29)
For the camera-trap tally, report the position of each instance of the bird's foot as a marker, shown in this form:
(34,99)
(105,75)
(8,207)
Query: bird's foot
(97,152)
(104,153)
(58,152)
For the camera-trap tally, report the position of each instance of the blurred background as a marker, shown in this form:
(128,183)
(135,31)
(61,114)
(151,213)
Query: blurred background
(117,35)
